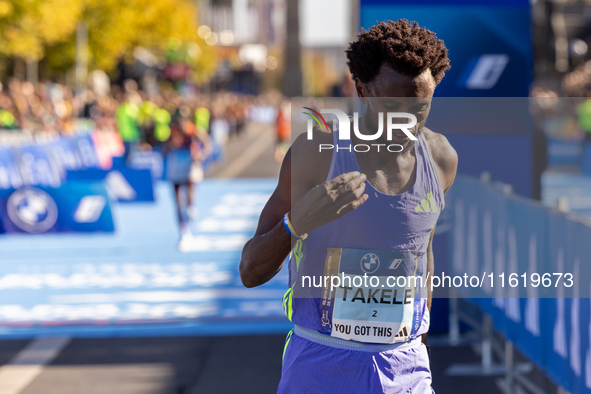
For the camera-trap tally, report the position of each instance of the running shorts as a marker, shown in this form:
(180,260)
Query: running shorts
(314,367)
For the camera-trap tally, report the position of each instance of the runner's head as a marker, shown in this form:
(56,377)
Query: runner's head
(397,59)
(396,66)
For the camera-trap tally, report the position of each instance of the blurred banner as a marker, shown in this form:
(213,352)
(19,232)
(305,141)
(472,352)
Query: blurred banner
(74,206)
(511,236)
(124,184)
(56,185)
(151,160)
(46,163)
(490,51)
(489,41)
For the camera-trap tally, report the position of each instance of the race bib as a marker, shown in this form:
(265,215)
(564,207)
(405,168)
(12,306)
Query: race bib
(376,298)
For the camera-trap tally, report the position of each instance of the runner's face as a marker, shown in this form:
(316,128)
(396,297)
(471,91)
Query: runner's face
(391,91)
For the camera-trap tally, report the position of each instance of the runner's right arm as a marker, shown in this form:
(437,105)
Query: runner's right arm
(309,207)
(263,255)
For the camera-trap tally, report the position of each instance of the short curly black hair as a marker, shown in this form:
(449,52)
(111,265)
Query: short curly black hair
(402,45)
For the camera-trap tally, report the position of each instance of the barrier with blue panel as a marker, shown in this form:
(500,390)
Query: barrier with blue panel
(489,41)
(73,207)
(124,184)
(498,233)
(46,164)
(565,153)
(586,159)
(35,196)
(62,185)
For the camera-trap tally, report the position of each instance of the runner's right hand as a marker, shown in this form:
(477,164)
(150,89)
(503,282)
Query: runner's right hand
(328,201)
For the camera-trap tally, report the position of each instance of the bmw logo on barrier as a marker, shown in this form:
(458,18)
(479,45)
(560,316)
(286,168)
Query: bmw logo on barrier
(32,210)
(370,263)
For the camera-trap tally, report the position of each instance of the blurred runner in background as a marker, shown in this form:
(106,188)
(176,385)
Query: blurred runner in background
(186,149)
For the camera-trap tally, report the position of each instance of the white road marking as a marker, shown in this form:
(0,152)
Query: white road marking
(169,296)
(202,243)
(29,363)
(232,225)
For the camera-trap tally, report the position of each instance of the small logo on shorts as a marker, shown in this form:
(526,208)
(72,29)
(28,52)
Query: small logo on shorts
(370,263)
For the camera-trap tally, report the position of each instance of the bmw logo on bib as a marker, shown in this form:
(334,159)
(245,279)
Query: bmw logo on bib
(32,210)
(370,263)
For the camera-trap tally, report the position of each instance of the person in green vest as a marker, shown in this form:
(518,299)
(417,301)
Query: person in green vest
(146,121)
(584,115)
(127,116)
(162,128)
(7,120)
(202,116)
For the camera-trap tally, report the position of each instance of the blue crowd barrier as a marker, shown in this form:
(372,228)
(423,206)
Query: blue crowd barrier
(564,152)
(124,184)
(494,232)
(46,164)
(150,160)
(57,186)
(49,170)
(73,207)
(159,164)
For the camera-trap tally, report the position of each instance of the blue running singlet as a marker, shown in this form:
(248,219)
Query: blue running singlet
(364,337)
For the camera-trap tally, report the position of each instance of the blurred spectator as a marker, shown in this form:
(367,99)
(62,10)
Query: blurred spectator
(202,116)
(140,121)
(283,127)
(220,127)
(128,116)
(584,113)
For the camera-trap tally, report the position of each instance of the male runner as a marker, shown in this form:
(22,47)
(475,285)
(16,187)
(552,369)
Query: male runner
(356,209)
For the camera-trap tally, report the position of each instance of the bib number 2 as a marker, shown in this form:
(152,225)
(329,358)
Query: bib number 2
(380,310)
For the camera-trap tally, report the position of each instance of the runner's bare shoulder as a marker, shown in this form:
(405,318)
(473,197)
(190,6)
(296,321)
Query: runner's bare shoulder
(310,164)
(444,155)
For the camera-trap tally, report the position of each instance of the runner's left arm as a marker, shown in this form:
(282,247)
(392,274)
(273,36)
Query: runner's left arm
(430,272)
(446,159)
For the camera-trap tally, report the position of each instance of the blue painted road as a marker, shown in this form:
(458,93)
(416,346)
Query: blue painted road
(136,282)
